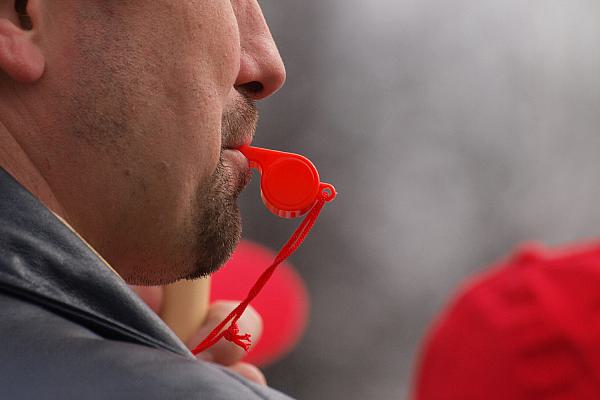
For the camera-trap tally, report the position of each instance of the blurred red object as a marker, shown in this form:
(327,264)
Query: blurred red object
(529,329)
(283,303)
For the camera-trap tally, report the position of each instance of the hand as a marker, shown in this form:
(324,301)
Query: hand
(224,353)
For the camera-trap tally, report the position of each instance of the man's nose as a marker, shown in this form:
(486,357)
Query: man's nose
(262,72)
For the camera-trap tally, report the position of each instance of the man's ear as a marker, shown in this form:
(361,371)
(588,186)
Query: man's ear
(20,56)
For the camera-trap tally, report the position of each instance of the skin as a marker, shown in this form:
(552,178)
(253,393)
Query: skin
(223,352)
(117,108)
(115,115)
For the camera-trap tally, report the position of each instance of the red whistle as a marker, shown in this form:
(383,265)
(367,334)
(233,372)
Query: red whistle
(290,184)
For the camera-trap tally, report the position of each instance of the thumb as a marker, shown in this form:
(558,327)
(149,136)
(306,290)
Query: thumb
(225,352)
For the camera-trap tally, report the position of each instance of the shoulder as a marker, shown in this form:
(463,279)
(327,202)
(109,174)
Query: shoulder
(47,356)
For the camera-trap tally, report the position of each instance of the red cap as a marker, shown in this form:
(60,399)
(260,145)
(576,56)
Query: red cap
(290,184)
(528,330)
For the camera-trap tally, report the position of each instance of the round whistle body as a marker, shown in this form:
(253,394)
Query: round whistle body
(290,184)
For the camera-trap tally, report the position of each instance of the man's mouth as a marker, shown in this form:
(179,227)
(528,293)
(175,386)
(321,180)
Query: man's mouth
(238,168)
(235,159)
(238,142)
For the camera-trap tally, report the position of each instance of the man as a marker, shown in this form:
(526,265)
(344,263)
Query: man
(117,124)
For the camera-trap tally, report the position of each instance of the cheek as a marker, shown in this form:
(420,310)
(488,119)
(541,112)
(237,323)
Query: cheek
(217,54)
(214,36)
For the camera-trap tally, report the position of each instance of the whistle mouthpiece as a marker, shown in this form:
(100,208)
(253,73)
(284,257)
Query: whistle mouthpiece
(290,185)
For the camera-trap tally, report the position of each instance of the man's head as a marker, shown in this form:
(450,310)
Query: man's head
(125,109)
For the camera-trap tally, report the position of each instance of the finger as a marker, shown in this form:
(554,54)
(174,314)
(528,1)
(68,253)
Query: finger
(250,372)
(225,352)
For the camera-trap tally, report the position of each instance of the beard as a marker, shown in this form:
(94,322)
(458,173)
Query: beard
(105,116)
(148,237)
(218,217)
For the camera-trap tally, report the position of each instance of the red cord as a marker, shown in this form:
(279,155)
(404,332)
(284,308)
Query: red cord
(232,332)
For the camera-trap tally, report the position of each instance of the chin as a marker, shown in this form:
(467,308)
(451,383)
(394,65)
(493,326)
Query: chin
(216,243)
(198,250)
(217,227)
(206,240)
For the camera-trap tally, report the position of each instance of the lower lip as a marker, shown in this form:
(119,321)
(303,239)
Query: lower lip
(235,159)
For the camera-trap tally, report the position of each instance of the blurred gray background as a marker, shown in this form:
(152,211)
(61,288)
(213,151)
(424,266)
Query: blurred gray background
(453,130)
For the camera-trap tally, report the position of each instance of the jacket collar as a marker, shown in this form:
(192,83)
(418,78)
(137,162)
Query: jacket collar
(44,261)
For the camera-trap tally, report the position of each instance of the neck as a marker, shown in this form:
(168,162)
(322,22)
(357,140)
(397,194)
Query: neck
(14,159)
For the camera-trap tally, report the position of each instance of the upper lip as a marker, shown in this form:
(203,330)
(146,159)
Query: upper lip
(240,127)
(236,144)
(236,141)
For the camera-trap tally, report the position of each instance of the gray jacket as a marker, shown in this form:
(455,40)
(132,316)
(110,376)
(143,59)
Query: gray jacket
(70,328)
